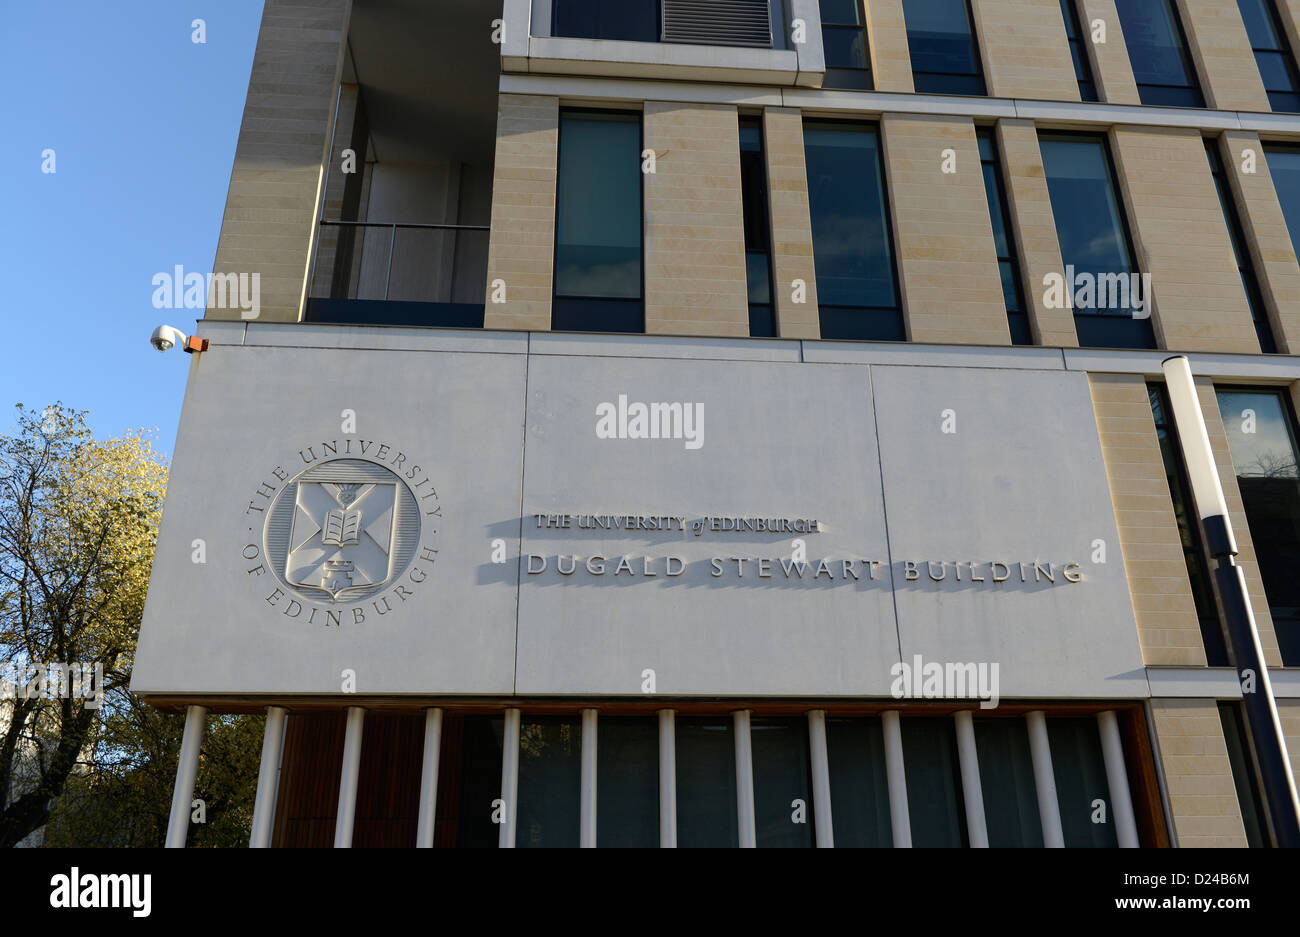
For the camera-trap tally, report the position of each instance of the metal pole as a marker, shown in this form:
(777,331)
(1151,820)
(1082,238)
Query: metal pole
(821,779)
(509,779)
(667,780)
(388,274)
(972,791)
(429,779)
(1265,728)
(1049,809)
(746,833)
(587,798)
(1121,802)
(899,820)
(187,769)
(268,777)
(351,771)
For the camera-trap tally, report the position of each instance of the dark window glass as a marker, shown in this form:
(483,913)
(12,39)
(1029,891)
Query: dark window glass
(598,223)
(1158,52)
(1263,446)
(1189,530)
(844,44)
(636,20)
(1073,32)
(857,288)
(1007,780)
(782,775)
(1272,53)
(1284,167)
(1003,239)
(1094,239)
(753,189)
(941,41)
(706,782)
(1080,774)
(627,781)
(934,798)
(855,752)
(550,781)
(1245,268)
(480,781)
(1243,773)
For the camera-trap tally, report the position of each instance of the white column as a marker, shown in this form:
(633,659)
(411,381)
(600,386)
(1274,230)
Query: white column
(268,778)
(429,779)
(587,803)
(972,791)
(899,819)
(1040,750)
(745,831)
(187,769)
(509,779)
(667,780)
(1121,801)
(348,775)
(821,779)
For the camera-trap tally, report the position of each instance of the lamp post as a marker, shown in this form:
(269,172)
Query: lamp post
(1262,721)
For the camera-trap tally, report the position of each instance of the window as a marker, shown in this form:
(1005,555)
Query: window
(1284,167)
(782,775)
(1007,782)
(844,43)
(706,782)
(1100,276)
(636,20)
(1003,240)
(1189,530)
(1244,267)
(1272,53)
(1243,773)
(549,781)
(941,40)
(598,281)
(627,781)
(857,285)
(480,781)
(855,755)
(1073,32)
(1156,47)
(758,251)
(1261,438)
(1080,774)
(934,795)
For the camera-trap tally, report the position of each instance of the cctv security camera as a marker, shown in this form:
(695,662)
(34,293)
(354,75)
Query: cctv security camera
(164,337)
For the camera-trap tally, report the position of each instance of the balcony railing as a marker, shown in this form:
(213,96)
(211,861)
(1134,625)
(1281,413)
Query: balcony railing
(399,273)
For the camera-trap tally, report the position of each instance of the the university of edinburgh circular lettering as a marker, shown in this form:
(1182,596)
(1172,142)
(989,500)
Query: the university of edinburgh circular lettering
(342,531)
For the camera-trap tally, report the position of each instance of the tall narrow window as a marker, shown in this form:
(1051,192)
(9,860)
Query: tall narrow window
(1007,781)
(706,782)
(1273,55)
(598,282)
(941,41)
(855,753)
(783,803)
(635,20)
(550,781)
(1082,69)
(480,782)
(1158,51)
(627,781)
(1284,167)
(758,240)
(844,43)
(1262,440)
(1249,283)
(933,783)
(1100,280)
(857,285)
(1189,530)
(1003,240)
(1243,774)
(1080,774)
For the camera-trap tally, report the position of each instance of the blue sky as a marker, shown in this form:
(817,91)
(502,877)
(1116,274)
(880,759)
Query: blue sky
(143,122)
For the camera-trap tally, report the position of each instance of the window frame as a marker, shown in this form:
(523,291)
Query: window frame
(1185,57)
(1079,55)
(861,27)
(976,55)
(989,132)
(1288,56)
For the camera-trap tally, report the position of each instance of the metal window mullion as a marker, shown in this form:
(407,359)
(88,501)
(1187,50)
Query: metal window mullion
(509,779)
(268,777)
(429,779)
(972,791)
(667,779)
(746,834)
(821,779)
(587,797)
(187,770)
(349,774)
(1121,801)
(899,819)
(1049,809)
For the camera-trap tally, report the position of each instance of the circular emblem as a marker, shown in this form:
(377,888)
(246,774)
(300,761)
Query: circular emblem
(342,531)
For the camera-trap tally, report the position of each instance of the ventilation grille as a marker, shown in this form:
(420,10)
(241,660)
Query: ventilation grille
(718,22)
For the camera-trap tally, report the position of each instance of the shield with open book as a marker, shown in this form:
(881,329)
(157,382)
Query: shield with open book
(341,536)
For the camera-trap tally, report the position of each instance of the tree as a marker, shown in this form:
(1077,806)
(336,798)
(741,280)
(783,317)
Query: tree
(78,524)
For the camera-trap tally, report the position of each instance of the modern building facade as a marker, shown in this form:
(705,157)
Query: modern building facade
(742,423)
